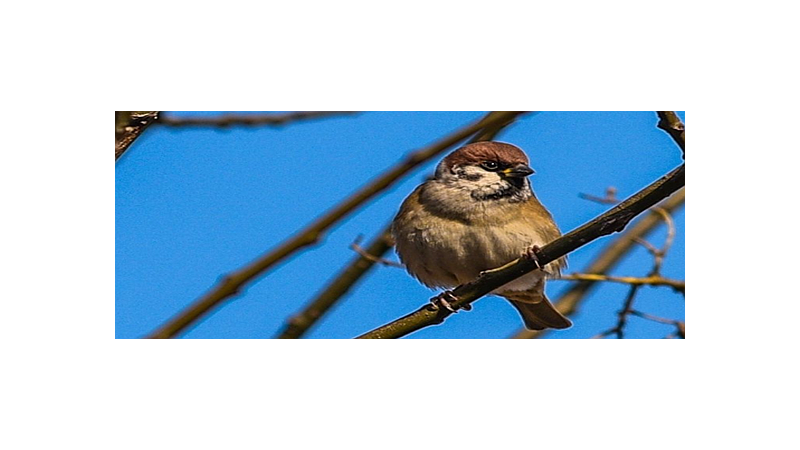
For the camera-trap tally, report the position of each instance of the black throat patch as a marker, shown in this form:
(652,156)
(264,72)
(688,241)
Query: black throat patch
(509,192)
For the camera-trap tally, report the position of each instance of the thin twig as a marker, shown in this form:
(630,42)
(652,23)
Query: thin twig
(251,120)
(660,253)
(663,320)
(626,309)
(652,280)
(609,199)
(622,316)
(670,230)
(376,259)
(680,327)
(613,220)
(299,324)
(233,283)
(650,247)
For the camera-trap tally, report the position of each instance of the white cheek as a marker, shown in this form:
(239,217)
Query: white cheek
(493,178)
(486,178)
(488,183)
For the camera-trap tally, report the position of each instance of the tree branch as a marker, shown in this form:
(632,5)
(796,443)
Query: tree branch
(680,327)
(671,123)
(129,125)
(376,259)
(302,322)
(613,220)
(655,272)
(380,245)
(622,316)
(569,302)
(230,119)
(652,280)
(233,283)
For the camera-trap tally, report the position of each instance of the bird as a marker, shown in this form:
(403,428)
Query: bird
(477,213)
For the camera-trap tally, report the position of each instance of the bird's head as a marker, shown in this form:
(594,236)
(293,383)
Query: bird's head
(488,170)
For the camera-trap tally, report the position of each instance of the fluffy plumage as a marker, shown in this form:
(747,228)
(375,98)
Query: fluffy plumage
(477,214)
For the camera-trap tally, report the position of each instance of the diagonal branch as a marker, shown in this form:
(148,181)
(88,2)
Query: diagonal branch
(613,220)
(299,324)
(231,119)
(129,125)
(570,301)
(233,283)
(671,123)
(378,259)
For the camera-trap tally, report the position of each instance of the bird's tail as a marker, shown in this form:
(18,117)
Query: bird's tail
(537,311)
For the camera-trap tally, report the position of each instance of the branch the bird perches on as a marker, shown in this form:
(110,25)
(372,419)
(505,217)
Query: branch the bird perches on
(613,220)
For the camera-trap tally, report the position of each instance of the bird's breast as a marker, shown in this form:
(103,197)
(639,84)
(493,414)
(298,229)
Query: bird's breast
(444,253)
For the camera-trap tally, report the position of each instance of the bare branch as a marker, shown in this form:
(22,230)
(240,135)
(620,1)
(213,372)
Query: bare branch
(680,327)
(613,220)
(670,230)
(652,280)
(655,251)
(129,125)
(233,283)
(376,259)
(671,123)
(623,314)
(341,284)
(654,318)
(609,199)
(251,120)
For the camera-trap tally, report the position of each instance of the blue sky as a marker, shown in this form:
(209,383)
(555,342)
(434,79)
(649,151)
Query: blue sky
(195,203)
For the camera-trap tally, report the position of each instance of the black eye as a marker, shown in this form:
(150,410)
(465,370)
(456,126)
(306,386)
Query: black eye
(490,165)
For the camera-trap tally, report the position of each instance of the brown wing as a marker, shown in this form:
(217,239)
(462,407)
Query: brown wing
(543,222)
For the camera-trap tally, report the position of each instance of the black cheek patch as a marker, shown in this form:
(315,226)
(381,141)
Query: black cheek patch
(518,183)
(470,176)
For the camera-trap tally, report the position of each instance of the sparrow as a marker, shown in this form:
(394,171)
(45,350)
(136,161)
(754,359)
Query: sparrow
(476,214)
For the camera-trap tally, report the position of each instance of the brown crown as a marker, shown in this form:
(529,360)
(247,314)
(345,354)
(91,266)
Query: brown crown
(486,151)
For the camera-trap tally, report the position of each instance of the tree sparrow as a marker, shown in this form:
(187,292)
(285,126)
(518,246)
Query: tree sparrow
(479,213)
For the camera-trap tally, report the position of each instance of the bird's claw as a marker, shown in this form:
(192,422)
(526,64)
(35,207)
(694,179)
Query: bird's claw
(444,299)
(530,253)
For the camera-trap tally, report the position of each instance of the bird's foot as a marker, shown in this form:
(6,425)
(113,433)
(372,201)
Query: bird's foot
(444,299)
(531,253)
